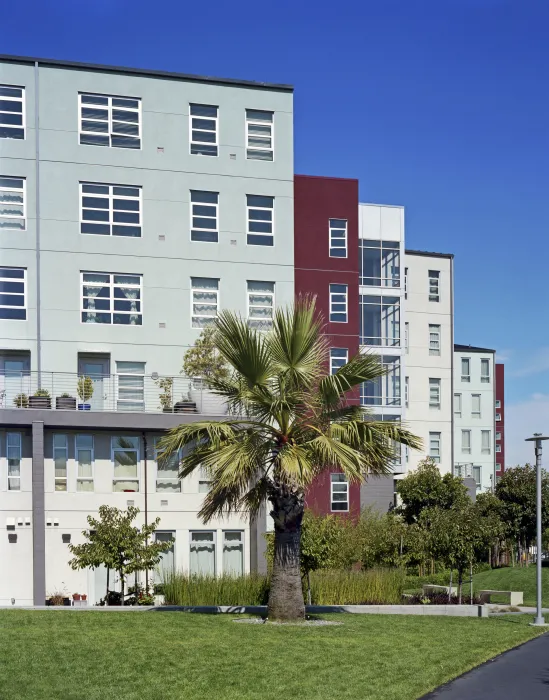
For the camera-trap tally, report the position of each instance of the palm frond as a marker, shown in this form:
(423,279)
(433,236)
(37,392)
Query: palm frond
(363,367)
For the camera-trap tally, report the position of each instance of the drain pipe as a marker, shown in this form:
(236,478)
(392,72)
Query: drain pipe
(144,437)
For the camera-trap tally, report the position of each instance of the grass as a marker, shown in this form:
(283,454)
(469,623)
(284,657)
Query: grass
(514,579)
(71,655)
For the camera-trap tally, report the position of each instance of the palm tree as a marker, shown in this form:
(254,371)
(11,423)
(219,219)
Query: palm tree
(292,421)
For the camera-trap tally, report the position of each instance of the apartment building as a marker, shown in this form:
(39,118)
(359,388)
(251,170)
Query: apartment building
(134,205)
(500,419)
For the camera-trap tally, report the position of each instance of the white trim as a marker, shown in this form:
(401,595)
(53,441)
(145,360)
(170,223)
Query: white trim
(19,447)
(23,190)
(259,122)
(200,290)
(198,229)
(17,294)
(249,233)
(137,450)
(109,198)
(343,482)
(331,230)
(334,361)
(109,107)
(200,144)
(23,110)
(77,461)
(111,285)
(435,452)
(65,448)
(260,323)
(334,294)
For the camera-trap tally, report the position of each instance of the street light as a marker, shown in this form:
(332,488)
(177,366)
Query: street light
(537,438)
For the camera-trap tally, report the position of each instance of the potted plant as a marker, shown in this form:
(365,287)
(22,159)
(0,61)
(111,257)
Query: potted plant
(21,401)
(65,402)
(202,362)
(76,596)
(40,399)
(84,596)
(85,392)
(166,397)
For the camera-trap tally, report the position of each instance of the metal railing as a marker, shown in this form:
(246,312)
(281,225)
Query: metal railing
(129,393)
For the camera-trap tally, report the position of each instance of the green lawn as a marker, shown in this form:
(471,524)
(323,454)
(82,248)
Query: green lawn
(514,579)
(54,655)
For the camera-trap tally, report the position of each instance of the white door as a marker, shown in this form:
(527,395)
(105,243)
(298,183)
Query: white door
(98,372)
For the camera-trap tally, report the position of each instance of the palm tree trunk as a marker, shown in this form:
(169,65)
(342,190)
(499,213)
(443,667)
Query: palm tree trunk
(286,593)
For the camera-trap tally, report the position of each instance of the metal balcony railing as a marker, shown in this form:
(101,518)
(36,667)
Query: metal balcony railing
(128,393)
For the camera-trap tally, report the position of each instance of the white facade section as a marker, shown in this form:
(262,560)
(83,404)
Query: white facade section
(474,416)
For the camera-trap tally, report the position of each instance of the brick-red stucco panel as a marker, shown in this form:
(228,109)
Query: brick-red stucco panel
(318,496)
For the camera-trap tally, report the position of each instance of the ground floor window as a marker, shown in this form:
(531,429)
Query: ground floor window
(202,553)
(167,561)
(233,553)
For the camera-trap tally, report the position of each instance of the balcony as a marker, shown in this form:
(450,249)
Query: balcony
(120,393)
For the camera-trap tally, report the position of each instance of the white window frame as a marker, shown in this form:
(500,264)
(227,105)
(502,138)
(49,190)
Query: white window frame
(199,145)
(335,360)
(112,286)
(209,319)
(137,450)
(120,401)
(498,448)
(498,434)
(435,446)
(345,302)
(15,190)
(199,229)
(77,460)
(260,323)
(249,220)
(259,122)
(483,449)
(339,481)
(109,107)
(17,294)
(214,542)
(110,197)
(435,391)
(459,407)
(498,403)
(23,110)
(434,339)
(466,377)
(466,448)
(476,414)
(332,228)
(434,285)
(19,447)
(163,479)
(485,362)
(498,417)
(55,449)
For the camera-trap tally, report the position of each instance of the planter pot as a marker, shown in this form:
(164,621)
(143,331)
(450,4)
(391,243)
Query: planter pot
(84,596)
(76,596)
(67,602)
(185,407)
(207,402)
(39,402)
(84,406)
(48,602)
(167,410)
(64,403)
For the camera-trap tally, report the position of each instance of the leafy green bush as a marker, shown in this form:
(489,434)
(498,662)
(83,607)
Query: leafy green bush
(370,587)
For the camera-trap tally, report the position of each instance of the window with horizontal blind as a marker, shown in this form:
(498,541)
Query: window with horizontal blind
(12,112)
(434,339)
(457,404)
(465,369)
(434,393)
(12,203)
(130,384)
(110,121)
(204,216)
(203,130)
(110,210)
(259,135)
(434,285)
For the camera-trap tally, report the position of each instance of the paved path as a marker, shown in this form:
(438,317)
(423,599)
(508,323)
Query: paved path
(518,674)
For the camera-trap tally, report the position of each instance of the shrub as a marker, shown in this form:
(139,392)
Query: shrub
(184,589)
(370,587)
(441,599)
(21,401)
(42,392)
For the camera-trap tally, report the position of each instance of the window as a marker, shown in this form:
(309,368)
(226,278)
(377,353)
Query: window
(204,216)
(477,475)
(339,492)
(60,459)
(260,305)
(434,339)
(202,554)
(110,210)
(406,283)
(131,386)
(498,448)
(260,211)
(407,391)
(485,442)
(166,565)
(466,442)
(233,553)
(407,337)
(457,404)
(12,203)
(379,320)
(485,371)
(385,390)
(13,299)
(465,369)
(434,447)
(338,303)
(259,135)
(125,457)
(338,238)
(498,417)
(14,455)
(110,121)
(434,393)
(84,461)
(498,467)
(498,435)
(498,403)
(12,112)
(475,405)
(203,130)
(203,480)
(379,263)
(205,301)
(167,472)
(434,285)
(338,358)
(112,298)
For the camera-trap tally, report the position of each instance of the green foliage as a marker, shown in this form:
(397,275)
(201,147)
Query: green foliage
(84,388)
(203,360)
(42,392)
(183,589)
(65,395)
(373,586)
(426,487)
(21,401)
(166,397)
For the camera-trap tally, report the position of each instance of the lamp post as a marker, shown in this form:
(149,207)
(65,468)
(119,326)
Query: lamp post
(538,438)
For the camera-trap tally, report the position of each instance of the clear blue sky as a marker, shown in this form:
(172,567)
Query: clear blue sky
(439,105)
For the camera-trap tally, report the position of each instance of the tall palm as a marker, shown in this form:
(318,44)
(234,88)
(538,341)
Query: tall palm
(294,421)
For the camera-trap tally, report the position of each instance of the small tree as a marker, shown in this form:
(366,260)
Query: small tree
(117,544)
(203,360)
(84,388)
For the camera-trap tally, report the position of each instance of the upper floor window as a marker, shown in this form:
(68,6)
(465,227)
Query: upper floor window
(338,358)
(167,471)
(434,285)
(406,283)
(338,303)
(130,378)
(498,417)
(204,480)
(379,263)
(407,391)
(205,301)
(339,492)
(12,112)
(379,320)
(203,130)
(112,298)
(338,238)
(60,459)
(407,337)
(204,216)
(435,446)
(261,305)
(457,404)
(110,121)
(260,220)
(498,435)
(384,390)
(434,393)
(84,460)
(14,455)
(485,370)
(125,457)
(13,296)
(498,403)
(434,339)
(465,369)
(110,210)
(12,203)
(477,475)
(475,405)
(259,135)
(486,442)
(466,442)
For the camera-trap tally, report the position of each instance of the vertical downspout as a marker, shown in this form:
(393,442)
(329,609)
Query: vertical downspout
(452,360)
(146,486)
(37,199)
